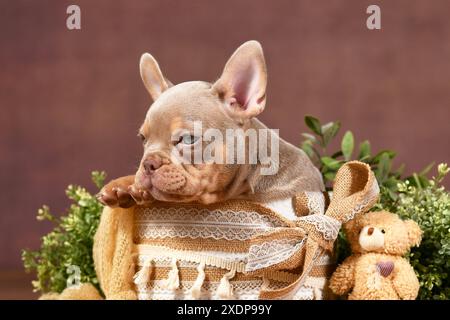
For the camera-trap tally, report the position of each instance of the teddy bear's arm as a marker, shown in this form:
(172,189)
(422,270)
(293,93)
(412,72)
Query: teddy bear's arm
(405,280)
(343,279)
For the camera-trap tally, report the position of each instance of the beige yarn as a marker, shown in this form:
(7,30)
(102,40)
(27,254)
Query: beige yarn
(113,248)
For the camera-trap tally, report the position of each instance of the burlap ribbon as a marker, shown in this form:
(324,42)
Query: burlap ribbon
(355,191)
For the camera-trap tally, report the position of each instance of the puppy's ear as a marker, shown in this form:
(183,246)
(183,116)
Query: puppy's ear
(152,76)
(243,82)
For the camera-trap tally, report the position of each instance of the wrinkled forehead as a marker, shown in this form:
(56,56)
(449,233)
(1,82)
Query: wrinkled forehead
(186,103)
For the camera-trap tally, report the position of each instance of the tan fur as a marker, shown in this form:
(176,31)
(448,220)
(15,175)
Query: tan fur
(226,104)
(358,274)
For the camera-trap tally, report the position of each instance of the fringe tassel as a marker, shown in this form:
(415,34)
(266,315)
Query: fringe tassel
(317,293)
(225,290)
(143,275)
(173,280)
(266,283)
(196,290)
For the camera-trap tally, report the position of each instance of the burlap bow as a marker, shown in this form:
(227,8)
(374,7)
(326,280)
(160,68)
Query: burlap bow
(297,248)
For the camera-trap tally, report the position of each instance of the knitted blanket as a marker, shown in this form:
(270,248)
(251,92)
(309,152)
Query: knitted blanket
(232,250)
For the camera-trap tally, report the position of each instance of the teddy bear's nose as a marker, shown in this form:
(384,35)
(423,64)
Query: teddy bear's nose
(370,231)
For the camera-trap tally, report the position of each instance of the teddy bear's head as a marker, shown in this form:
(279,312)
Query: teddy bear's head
(382,232)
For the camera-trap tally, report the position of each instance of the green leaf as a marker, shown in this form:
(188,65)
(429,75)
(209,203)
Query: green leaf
(365,159)
(337,154)
(364,150)
(427,169)
(331,163)
(391,183)
(347,145)
(392,195)
(419,181)
(313,124)
(308,148)
(384,167)
(398,173)
(329,176)
(391,154)
(310,137)
(329,131)
(98,177)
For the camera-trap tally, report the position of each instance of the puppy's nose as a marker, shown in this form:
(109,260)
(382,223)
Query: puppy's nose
(370,231)
(151,164)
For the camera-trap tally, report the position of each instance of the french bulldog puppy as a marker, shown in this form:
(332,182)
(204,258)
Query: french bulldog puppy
(232,102)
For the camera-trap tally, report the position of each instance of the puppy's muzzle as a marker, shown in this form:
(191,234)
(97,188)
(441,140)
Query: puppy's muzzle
(151,164)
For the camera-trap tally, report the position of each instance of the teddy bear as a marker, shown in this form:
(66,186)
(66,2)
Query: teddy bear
(377,269)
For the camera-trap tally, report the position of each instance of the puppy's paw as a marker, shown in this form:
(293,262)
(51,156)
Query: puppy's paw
(115,193)
(141,197)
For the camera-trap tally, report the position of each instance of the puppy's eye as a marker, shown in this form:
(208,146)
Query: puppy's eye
(382,231)
(142,137)
(188,139)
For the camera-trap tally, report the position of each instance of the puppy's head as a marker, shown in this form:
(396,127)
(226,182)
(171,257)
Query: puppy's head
(180,115)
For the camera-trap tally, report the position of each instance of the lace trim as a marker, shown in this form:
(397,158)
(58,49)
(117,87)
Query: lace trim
(324,260)
(371,195)
(242,290)
(194,223)
(165,261)
(316,202)
(162,256)
(156,252)
(328,226)
(270,253)
(315,282)
(304,294)
(283,207)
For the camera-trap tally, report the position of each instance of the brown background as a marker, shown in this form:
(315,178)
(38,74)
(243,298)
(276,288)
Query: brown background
(71,101)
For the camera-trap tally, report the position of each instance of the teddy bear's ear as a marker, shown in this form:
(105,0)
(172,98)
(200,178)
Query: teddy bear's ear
(352,229)
(414,232)
(349,226)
